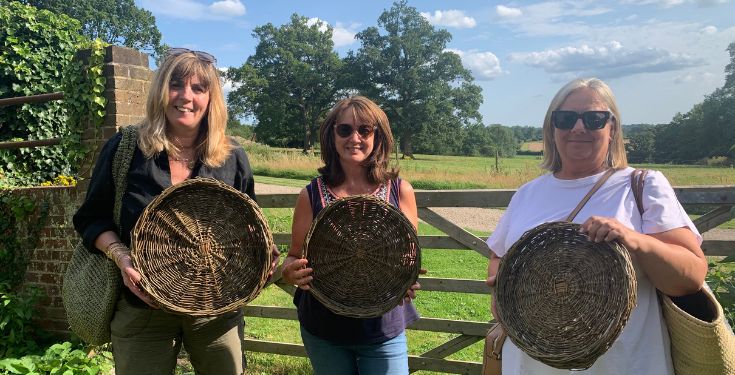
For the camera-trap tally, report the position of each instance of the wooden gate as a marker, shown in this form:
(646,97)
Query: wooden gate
(466,333)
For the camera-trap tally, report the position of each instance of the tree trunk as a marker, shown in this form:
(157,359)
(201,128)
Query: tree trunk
(407,146)
(307,129)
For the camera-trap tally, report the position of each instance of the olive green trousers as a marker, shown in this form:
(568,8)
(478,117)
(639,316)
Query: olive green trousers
(148,341)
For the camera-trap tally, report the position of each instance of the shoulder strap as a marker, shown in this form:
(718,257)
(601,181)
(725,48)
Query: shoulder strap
(121,165)
(637,179)
(584,200)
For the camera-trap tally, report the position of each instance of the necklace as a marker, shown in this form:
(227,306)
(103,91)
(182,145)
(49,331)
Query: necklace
(186,162)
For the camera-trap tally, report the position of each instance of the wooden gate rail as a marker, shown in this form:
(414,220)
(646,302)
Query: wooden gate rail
(32,99)
(41,98)
(721,198)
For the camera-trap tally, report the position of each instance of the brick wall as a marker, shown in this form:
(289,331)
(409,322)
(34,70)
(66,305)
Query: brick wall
(48,260)
(127,79)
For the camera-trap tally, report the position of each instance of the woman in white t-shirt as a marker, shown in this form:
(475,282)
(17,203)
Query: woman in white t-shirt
(582,139)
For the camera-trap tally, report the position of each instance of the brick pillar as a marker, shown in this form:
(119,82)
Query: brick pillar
(127,78)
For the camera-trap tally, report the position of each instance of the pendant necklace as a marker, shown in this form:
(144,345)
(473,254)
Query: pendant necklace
(186,162)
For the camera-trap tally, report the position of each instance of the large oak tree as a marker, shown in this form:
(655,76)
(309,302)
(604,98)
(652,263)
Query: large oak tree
(118,22)
(289,83)
(403,65)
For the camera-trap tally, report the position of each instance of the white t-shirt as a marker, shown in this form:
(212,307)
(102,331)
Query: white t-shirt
(643,345)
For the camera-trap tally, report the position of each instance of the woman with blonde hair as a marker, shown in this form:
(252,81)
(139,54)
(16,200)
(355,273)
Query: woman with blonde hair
(182,137)
(583,140)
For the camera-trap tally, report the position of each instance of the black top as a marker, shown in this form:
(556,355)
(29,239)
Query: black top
(147,178)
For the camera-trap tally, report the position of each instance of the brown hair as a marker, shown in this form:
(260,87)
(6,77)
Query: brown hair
(212,146)
(367,112)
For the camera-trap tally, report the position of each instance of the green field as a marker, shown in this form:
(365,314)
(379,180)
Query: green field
(462,172)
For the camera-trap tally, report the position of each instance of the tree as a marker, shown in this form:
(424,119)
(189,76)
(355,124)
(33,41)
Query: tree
(118,22)
(504,142)
(641,146)
(422,87)
(289,83)
(730,68)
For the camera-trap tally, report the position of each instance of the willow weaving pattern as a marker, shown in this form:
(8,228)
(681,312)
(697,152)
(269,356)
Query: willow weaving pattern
(202,248)
(562,298)
(365,255)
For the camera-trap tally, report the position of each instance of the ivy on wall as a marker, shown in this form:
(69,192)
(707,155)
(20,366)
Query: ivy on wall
(84,86)
(16,241)
(37,48)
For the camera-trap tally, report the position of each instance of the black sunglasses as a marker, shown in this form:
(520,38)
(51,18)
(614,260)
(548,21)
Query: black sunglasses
(346,130)
(592,120)
(201,55)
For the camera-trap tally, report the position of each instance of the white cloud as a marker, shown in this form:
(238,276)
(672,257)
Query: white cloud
(450,18)
(710,3)
(661,3)
(228,8)
(342,35)
(485,66)
(709,30)
(673,3)
(508,12)
(195,10)
(694,77)
(551,18)
(322,25)
(610,60)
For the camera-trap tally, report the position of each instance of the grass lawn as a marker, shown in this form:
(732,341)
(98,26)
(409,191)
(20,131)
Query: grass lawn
(463,172)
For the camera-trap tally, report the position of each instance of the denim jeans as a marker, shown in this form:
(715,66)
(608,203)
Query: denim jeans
(327,358)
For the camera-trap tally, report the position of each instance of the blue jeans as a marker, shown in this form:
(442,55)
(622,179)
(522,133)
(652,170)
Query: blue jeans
(327,358)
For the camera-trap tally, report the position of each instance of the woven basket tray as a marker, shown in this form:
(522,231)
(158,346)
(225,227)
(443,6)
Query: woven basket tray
(562,298)
(202,248)
(365,255)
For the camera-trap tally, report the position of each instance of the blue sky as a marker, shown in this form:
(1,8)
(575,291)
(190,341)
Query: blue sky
(659,56)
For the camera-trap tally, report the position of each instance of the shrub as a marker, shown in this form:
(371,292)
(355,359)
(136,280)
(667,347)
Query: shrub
(61,358)
(721,279)
(17,335)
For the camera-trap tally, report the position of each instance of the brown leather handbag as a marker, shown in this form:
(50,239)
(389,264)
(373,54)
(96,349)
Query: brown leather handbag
(491,359)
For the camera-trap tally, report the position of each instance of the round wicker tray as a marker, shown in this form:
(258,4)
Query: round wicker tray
(365,255)
(562,298)
(202,248)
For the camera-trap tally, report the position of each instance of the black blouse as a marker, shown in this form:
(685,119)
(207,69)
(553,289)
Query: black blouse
(147,177)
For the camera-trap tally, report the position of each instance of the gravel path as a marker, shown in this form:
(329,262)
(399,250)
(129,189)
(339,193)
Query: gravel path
(466,217)
(484,219)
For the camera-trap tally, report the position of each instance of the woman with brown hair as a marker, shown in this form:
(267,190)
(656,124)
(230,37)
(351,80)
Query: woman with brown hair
(356,142)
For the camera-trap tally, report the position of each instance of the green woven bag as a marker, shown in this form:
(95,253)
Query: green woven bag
(92,282)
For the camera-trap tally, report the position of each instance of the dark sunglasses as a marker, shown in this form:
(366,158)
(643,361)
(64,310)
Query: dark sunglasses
(201,55)
(346,130)
(592,120)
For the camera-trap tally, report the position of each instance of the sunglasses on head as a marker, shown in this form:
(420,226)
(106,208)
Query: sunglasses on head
(201,55)
(592,120)
(346,130)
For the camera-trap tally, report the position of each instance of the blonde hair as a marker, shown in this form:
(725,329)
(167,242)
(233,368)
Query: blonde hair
(369,113)
(212,146)
(616,157)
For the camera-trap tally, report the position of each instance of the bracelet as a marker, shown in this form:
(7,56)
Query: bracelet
(107,248)
(116,251)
